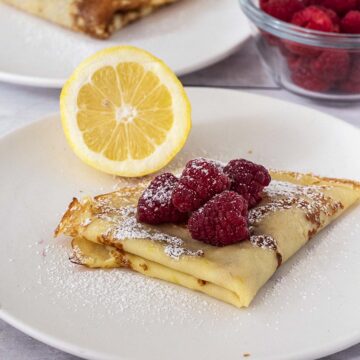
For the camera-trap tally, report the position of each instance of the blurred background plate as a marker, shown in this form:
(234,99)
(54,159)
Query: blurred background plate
(187,35)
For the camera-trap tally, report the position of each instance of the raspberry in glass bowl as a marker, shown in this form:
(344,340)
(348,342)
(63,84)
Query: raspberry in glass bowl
(311,47)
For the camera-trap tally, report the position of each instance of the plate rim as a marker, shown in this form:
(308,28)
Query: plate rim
(57,83)
(68,347)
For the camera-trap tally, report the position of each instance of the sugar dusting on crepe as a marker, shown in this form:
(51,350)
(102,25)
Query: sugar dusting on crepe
(282,195)
(264,242)
(122,295)
(129,228)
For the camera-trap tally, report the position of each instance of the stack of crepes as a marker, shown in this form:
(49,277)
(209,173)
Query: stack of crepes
(97,18)
(106,234)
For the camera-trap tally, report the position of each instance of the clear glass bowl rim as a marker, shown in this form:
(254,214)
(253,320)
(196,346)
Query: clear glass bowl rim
(297,34)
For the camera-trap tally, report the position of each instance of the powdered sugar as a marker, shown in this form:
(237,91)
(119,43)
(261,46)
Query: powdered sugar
(125,296)
(129,228)
(122,182)
(155,203)
(264,242)
(282,196)
(200,180)
(117,292)
(86,222)
(282,188)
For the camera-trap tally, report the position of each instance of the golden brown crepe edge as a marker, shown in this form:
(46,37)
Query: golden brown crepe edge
(122,259)
(312,179)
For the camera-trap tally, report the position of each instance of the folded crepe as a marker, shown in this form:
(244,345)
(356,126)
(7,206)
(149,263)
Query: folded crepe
(295,207)
(97,18)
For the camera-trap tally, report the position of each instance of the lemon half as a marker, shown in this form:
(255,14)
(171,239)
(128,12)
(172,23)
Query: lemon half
(125,112)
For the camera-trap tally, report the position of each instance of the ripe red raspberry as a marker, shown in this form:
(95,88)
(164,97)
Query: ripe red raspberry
(300,49)
(331,65)
(350,87)
(294,63)
(155,206)
(334,18)
(199,182)
(247,179)
(354,73)
(272,40)
(282,9)
(314,18)
(221,221)
(317,18)
(352,83)
(304,77)
(341,7)
(284,51)
(350,23)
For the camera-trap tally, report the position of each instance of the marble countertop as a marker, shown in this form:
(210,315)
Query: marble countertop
(243,70)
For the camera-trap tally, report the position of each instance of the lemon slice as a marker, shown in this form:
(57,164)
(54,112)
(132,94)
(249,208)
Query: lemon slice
(125,112)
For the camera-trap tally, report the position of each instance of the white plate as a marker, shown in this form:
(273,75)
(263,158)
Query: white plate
(187,35)
(310,308)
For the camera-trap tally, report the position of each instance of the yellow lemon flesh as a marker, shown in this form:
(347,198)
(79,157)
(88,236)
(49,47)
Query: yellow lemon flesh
(125,112)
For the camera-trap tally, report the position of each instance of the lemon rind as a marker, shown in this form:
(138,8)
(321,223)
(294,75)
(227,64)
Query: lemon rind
(127,168)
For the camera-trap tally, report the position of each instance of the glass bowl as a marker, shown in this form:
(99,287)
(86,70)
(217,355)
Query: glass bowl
(307,62)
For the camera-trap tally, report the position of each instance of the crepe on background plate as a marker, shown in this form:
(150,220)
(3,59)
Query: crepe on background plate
(295,207)
(97,18)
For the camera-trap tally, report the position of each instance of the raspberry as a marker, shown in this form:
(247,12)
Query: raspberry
(351,23)
(199,182)
(316,18)
(304,77)
(341,7)
(272,40)
(334,17)
(331,65)
(155,206)
(247,179)
(221,221)
(354,73)
(300,49)
(352,83)
(285,51)
(282,9)
(350,87)
(294,63)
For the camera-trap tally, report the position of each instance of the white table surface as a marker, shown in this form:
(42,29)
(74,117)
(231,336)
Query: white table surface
(244,70)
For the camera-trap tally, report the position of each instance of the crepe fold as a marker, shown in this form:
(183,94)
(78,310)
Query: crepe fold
(97,18)
(295,207)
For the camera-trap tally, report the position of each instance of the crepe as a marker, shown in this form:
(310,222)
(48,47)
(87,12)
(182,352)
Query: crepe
(97,18)
(294,208)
